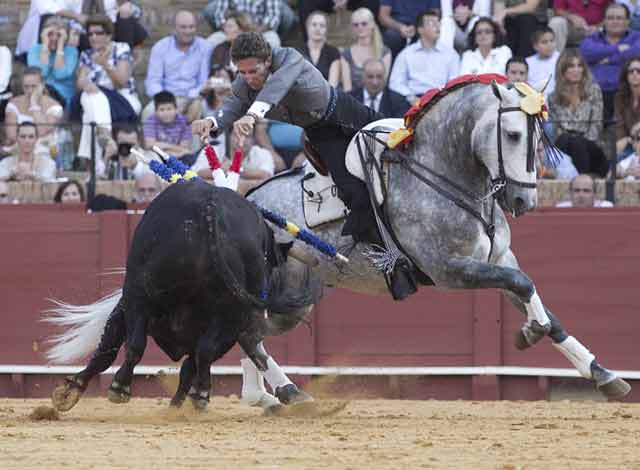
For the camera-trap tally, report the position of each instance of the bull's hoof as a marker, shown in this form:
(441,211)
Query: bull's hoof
(530,334)
(290,395)
(616,389)
(178,400)
(65,396)
(119,394)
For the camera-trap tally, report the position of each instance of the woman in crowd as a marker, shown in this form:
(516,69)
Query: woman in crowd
(367,45)
(234,24)
(56,59)
(26,163)
(107,88)
(69,192)
(575,109)
(34,105)
(458,19)
(627,105)
(325,57)
(486,54)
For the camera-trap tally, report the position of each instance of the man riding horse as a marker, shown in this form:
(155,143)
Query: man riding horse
(281,84)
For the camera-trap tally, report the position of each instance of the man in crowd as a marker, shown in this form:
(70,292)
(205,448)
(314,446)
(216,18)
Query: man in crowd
(179,64)
(376,95)
(576,19)
(398,17)
(425,64)
(582,191)
(147,187)
(517,70)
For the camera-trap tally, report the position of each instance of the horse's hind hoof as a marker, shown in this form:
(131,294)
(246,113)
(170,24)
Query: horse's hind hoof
(530,334)
(178,400)
(118,394)
(290,395)
(616,389)
(65,396)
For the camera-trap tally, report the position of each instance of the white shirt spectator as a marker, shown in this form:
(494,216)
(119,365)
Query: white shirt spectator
(596,203)
(5,68)
(449,27)
(418,69)
(43,166)
(495,62)
(28,35)
(541,69)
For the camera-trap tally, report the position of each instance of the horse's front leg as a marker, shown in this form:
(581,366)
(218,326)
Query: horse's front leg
(582,359)
(467,273)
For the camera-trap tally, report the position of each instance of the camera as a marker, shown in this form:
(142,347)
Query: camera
(124,150)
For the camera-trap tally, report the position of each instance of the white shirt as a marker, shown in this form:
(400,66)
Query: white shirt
(495,62)
(28,35)
(367,99)
(596,203)
(5,67)
(417,69)
(541,69)
(43,166)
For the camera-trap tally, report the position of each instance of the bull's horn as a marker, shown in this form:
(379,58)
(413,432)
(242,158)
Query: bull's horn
(303,256)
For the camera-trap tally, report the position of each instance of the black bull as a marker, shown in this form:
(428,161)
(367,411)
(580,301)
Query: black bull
(202,269)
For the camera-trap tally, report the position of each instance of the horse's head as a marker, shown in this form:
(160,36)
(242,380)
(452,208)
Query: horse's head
(503,140)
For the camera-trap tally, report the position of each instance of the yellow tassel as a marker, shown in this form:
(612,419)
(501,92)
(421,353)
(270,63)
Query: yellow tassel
(190,174)
(293,229)
(399,136)
(175,178)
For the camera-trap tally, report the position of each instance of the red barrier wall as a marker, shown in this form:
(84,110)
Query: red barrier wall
(584,262)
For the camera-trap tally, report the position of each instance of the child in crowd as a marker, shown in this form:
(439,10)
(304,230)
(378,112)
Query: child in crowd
(517,70)
(166,128)
(542,64)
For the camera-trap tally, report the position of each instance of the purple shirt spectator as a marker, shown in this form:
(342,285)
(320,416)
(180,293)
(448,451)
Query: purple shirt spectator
(181,73)
(174,133)
(606,59)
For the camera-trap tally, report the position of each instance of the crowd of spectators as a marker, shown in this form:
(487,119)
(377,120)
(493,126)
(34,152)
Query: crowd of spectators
(75,62)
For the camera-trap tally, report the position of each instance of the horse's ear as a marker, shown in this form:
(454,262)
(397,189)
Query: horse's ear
(496,89)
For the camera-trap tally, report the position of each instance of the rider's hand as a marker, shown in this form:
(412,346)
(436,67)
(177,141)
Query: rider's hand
(243,127)
(202,128)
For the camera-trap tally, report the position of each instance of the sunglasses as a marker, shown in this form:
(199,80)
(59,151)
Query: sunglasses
(96,33)
(633,70)
(361,24)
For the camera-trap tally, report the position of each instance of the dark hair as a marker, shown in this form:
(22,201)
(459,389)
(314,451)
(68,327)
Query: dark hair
(516,59)
(100,20)
(250,45)
(127,128)
(421,15)
(538,33)
(164,97)
(623,95)
(621,5)
(32,71)
(497,36)
(58,196)
(28,124)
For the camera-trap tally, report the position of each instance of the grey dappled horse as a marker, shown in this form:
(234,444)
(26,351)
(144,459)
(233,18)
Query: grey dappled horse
(458,138)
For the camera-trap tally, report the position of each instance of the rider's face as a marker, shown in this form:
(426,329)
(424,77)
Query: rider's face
(254,71)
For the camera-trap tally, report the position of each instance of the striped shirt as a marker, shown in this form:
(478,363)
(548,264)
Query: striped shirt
(264,12)
(174,133)
(119,51)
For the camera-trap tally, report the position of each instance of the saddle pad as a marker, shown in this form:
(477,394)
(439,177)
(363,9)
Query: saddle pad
(352,158)
(320,199)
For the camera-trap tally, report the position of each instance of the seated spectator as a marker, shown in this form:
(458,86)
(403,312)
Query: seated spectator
(25,164)
(575,109)
(576,19)
(179,64)
(398,18)
(69,192)
(306,7)
(125,17)
(520,19)
(283,140)
(56,59)
(542,65)
(582,191)
(560,170)
(629,166)
(517,70)
(34,105)
(627,105)
(265,14)
(107,88)
(458,19)
(367,45)
(166,128)
(234,24)
(147,187)
(214,91)
(486,54)
(607,51)
(119,162)
(6,69)
(375,93)
(325,57)
(634,10)
(413,71)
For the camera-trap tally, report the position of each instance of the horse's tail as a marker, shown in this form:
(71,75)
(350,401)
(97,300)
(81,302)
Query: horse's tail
(83,325)
(287,298)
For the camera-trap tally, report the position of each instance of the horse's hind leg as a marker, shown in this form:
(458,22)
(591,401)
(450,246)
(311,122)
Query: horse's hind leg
(187,373)
(582,359)
(65,396)
(120,388)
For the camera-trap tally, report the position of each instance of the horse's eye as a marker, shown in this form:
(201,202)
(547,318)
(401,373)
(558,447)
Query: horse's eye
(513,136)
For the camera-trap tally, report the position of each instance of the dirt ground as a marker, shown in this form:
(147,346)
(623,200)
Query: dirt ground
(364,434)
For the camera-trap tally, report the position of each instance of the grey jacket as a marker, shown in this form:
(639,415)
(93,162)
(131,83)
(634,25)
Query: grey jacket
(297,91)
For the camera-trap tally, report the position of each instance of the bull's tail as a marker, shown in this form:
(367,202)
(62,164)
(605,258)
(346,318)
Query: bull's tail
(83,325)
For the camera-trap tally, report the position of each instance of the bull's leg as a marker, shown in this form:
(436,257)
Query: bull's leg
(187,372)
(65,396)
(120,389)
(222,333)
(582,359)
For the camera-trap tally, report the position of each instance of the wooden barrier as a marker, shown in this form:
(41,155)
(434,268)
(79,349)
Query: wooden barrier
(585,264)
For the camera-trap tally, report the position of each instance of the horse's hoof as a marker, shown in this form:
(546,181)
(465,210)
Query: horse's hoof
(274,410)
(118,394)
(65,396)
(262,400)
(178,400)
(290,394)
(615,389)
(530,334)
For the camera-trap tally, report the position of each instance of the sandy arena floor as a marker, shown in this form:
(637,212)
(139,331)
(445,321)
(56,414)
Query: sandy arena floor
(365,434)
